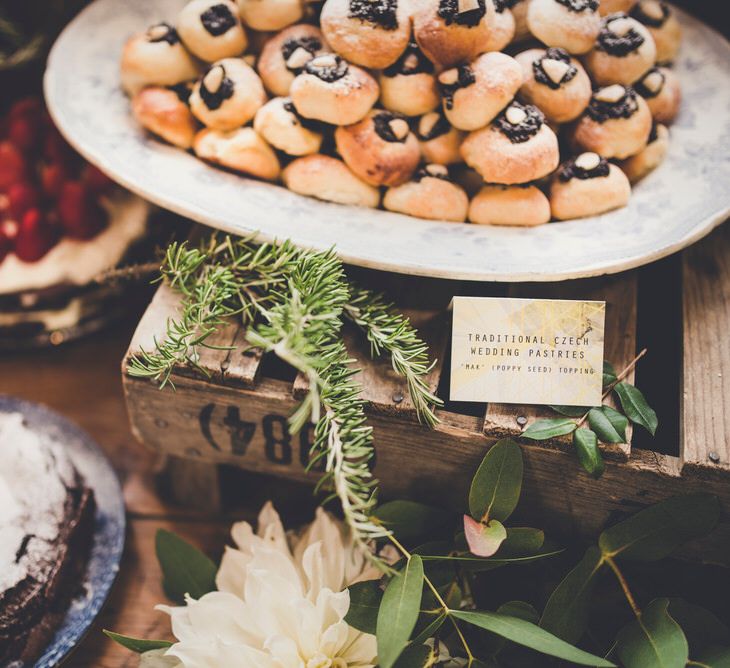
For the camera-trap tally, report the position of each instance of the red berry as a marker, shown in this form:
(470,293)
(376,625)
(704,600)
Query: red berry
(53,176)
(80,214)
(28,107)
(24,132)
(96,180)
(6,245)
(56,149)
(35,237)
(21,197)
(13,166)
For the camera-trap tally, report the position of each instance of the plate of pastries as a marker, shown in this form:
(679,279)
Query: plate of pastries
(478,139)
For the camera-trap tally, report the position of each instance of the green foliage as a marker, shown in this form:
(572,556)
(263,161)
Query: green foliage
(547,428)
(137,644)
(399,611)
(609,374)
(411,521)
(585,443)
(484,538)
(414,656)
(654,640)
(609,424)
(497,485)
(636,407)
(185,569)
(365,599)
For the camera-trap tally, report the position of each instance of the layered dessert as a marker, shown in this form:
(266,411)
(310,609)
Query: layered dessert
(46,528)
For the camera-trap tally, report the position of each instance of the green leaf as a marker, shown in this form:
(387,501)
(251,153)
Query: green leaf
(497,484)
(520,609)
(429,630)
(185,569)
(636,407)
(570,411)
(411,521)
(656,531)
(585,443)
(654,640)
(399,611)
(609,424)
(414,656)
(529,635)
(522,541)
(487,563)
(137,644)
(542,430)
(715,657)
(609,374)
(484,539)
(701,627)
(566,612)
(365,599)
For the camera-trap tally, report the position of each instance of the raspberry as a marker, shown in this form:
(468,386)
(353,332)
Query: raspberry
(20,197)
(24,133)
(35,237)
(96,180)
(28,107)
(53,176)
(13,166)
(80,214)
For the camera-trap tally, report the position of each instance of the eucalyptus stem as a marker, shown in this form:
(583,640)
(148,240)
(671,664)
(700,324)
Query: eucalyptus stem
(624,585)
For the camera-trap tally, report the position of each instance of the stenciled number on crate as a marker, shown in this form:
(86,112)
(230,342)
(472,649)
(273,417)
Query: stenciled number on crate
(278,447)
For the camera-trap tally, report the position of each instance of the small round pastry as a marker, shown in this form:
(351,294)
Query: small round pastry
(517,147)
(612,6)
(450,32)
(330,179)
(285,55)
(211,29)
(429,194)
(241,149)
(555,82)
(475,93)
(165,114)
(501,25)
(616,123)
(279,124)
(524,206)
(588,185)
(624,51)
(156,57)
(228,95)
(662,92)
(663,25)
(365,32)
(332,91)
(408,86)
(519,13)
(439,140)
(570,24)
(380,149)
(648,159)
(266,15)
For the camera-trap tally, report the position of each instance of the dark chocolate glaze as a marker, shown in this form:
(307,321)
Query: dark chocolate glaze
(328,74)
(423,65)
(501,5)
(311,44)
(521,132)
(618,45)
(639,15)
(642,90)
(626,107)
(214,100)
(422,173)
(381,13)
(218,19)
(440,127)
(171,36)
(449,11)
(579,5)
(555,54)
(570,170)
(654,134)
(466,78)
(308,123)
(182,90)
(381,124)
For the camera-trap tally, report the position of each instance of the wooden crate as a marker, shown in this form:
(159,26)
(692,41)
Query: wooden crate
(680,308)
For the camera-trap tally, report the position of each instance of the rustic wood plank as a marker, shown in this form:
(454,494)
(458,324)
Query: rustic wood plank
(194,484)
(620,295)
(705,420)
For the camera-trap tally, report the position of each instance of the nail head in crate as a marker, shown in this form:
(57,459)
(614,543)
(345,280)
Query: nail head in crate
(238,413)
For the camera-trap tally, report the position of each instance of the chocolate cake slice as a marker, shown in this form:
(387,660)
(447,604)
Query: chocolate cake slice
(46,528)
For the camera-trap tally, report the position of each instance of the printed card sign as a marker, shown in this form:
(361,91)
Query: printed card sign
(527,351)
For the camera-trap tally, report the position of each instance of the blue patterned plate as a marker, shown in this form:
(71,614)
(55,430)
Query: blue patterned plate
(106,552)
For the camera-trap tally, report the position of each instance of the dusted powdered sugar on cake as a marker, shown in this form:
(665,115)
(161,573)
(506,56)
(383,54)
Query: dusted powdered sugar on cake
(34,480)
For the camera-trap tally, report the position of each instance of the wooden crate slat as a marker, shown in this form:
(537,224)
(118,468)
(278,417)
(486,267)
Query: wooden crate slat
(705,418)
(620,294)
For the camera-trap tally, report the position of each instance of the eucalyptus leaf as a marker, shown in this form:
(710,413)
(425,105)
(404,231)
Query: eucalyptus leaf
(585,443)
(414,656)
(429,629)
(656,531)
(655,640)
(497,484)
(399,611)
(609,424)
(365,599)
(522,541)
(566,612)
(475,564)
(138,645)
(636,407)
(609,374)
(411,521)
(701,627)
(495,644)
(529,635)
(546,428)
(185,569)
(570,411)
(484,539)
(716,656)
